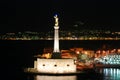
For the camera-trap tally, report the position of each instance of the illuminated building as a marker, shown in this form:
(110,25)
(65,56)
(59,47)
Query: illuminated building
(111,57)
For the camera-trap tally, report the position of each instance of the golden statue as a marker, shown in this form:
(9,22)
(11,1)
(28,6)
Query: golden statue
(56,20)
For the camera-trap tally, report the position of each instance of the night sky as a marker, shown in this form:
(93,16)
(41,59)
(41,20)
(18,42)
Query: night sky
(37,15)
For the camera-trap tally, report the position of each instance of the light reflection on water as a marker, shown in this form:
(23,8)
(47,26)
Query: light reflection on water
(45,77)
(107,74)
(111,73)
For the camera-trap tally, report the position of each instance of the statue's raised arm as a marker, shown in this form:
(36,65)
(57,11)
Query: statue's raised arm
(56,20)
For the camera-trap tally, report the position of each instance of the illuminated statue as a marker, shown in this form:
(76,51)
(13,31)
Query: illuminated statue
(56,20)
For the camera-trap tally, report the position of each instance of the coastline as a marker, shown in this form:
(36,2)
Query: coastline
(107,66)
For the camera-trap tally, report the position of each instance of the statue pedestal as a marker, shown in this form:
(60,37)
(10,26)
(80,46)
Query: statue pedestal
(56,55)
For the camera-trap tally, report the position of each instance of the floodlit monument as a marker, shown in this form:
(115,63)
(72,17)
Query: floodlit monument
(56,52)
(55,65)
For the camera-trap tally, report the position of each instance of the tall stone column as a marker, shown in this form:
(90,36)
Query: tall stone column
(56,39)
(56,51)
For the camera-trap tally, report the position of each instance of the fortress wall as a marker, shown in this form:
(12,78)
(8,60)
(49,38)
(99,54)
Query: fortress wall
(56,65)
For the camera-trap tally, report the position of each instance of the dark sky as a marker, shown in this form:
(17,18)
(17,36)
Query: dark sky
(37,15)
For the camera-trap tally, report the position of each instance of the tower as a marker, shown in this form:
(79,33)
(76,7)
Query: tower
(56,51)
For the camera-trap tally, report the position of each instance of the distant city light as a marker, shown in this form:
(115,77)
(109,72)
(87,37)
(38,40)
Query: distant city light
(64,35)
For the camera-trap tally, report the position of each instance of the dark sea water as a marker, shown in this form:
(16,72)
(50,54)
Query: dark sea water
(17,55)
